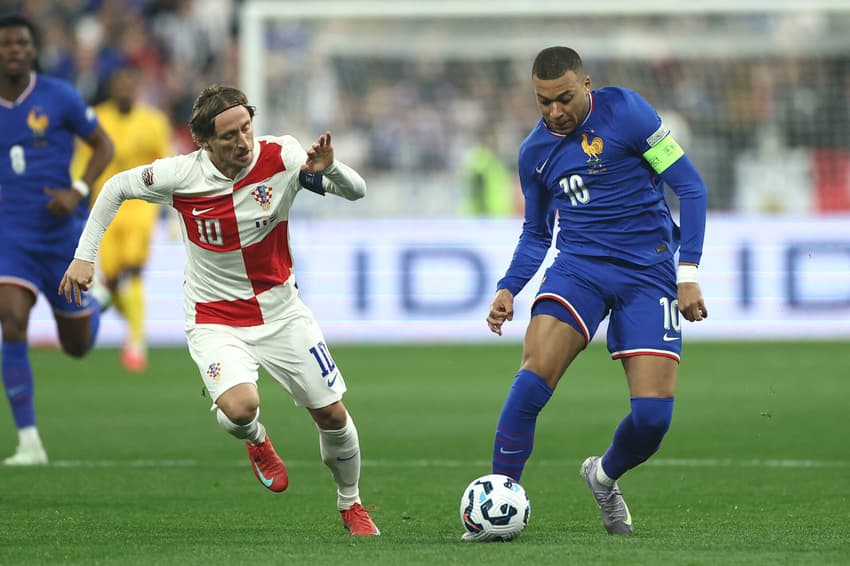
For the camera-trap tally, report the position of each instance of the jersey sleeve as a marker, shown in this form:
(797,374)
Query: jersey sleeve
(81,117)
(654,141)
(341,180)
(338,179)
(640,122)
(153,183)
(537,229)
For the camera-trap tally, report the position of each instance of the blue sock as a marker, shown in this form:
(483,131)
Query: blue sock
(638,436)
(17,379)
(94,323)
(515,431)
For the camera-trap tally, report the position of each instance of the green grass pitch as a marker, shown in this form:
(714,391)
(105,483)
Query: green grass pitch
(755,469)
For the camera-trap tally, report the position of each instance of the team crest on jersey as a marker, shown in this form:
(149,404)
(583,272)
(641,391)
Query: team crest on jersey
(263,195)
(214,371)
(593,149)
(37,121)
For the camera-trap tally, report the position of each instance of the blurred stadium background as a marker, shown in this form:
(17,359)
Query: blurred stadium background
(754,470)
(757,92)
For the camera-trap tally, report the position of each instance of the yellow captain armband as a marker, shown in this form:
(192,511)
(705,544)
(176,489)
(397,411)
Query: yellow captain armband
(663,154)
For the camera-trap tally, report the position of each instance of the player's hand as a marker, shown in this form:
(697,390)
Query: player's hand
(78,278)
(319,155)
(63,201)
(501,309)
(691,303)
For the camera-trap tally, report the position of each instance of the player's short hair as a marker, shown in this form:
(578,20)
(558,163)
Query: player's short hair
(553,62)
(212,101)
(17,21)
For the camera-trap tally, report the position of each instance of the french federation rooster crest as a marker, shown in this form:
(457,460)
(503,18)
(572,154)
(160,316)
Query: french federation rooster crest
(592,148)
(37,122)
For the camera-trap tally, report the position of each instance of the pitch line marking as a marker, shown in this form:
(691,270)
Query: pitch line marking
(425,463)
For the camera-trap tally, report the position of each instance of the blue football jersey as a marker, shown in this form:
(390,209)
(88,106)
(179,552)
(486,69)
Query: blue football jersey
(608,199)
(36,144)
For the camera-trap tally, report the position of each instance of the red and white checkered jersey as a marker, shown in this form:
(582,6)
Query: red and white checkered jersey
(239,265)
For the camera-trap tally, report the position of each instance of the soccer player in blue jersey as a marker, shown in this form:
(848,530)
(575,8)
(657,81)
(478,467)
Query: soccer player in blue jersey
(41,215)
(599,160)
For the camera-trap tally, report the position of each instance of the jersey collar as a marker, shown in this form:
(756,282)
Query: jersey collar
(30,87)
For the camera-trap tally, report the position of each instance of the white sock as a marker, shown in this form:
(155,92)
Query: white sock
(341,453)
(28,437)
(254,432)
(602,477)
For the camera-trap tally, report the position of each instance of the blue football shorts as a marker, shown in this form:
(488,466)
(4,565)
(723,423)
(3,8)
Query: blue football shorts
(38,261)
(641,301)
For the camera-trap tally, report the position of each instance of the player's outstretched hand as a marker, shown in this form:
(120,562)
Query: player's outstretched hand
(62,201)
(78,278)
(501,309)
(691,303)
(319,155)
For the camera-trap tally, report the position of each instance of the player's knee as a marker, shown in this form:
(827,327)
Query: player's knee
(14,328)
(331,417)
(652,416)
(241,414)
(75,348)
(239,404)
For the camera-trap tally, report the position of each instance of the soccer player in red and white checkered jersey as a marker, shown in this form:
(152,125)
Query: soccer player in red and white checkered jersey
(233,197)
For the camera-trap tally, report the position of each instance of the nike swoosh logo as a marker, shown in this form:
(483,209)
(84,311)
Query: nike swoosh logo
(13,391)
(503,451)
(540,169)
(332,381)
(669,338)
(266,481)
(196,212)
(347,459)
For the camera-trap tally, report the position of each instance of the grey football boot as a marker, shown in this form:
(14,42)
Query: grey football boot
(613,510)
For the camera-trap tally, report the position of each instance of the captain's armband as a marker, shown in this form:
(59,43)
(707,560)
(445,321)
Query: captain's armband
(311,182)
(663,154)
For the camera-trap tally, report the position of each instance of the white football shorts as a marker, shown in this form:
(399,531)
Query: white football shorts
(293,350)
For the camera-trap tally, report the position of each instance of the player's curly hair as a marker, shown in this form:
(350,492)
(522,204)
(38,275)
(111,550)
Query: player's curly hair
(553,62)
(212,101)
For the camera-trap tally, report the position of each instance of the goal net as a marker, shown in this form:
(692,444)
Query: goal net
(757,92)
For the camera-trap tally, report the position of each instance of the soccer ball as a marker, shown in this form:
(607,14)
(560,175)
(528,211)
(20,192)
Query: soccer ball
(494,508)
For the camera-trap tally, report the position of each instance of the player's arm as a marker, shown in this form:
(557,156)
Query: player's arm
(668,159)
(131,184)
(321,173)
(682,176)
(534,242)
(102,152)
(653,140)
(64,201)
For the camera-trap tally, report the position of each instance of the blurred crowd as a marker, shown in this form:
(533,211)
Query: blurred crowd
(761,103)
(179,45)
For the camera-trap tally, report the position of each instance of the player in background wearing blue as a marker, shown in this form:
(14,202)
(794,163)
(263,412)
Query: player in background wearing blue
(41,215)
(599,161)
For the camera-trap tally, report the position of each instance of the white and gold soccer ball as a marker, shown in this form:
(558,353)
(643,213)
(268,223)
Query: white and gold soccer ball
(494,508)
